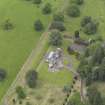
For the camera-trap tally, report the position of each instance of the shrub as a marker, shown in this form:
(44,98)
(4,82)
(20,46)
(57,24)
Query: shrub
(73,11)
(37,1)
(20,92)
(58,17)
(47,8)
(38,25)
(51,100)
(31,78)
(76,34)
(57,25)
(55,38)
(7,25)
(28,103)
(67,89)
(39,97)
(3,74)
(78,2)
(20,102)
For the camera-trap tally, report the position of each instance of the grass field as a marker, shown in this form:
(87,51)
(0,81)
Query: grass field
(89,8)
(17,44)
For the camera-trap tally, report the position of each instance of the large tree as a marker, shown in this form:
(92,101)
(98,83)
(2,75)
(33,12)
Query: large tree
(47,8)
(88,25)
(55,38)
(38,25)
(73,11)
(58,17)
(31,78)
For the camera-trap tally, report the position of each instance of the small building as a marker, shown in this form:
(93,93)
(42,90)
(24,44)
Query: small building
(76,48)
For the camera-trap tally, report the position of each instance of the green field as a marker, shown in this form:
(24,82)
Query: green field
(92,8)
(17,44)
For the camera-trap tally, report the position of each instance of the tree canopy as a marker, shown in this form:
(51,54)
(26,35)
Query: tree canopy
(3,74)
(31,78)
(73,11)
(92,67)
(55,38)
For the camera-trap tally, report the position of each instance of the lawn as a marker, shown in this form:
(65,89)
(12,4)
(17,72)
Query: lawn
(17,44)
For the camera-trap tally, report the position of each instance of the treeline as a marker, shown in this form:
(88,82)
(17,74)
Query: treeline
(92,65)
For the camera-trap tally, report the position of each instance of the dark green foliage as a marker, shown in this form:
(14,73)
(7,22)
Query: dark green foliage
(7,25)
(3,74)
(98,55)
(89,26)
(78,2)
(37,1)
(20,92)
(47,8)
(92,67)
(77,34)
(57,25)
(31,78)
(94,96)
(55,38)
(73,11)
(38,25)
(86,20)
(58,17)
(75,100)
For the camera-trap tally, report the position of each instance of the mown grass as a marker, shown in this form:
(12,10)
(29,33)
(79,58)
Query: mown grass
(17,44)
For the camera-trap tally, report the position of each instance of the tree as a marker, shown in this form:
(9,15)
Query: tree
(89,26)
(102,70)
(55,38)
(86,20)
(20,92)
(31,78)
(38,25)
(98,55)
(57,25)
(47,8)
(7,25)
(3,74)
(58,17)
(94,96)
(73,11)
(76,34)
(37,1)
(78,2)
